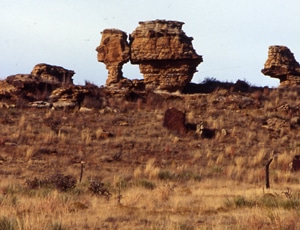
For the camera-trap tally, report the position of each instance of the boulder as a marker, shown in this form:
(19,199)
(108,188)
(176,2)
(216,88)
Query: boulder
(113,51)
(282,64)
(295,164)
(53,73)
(38,85)
(68,97)
(174,120)
(164,53)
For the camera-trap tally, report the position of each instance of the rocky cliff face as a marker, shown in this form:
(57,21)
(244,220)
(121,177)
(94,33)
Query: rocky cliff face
(282,64)
(113,51)
(164,53)
(162,50)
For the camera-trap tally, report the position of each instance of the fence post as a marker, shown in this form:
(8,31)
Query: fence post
(81,170)
(267,173)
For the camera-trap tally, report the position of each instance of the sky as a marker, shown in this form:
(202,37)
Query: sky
(233,36)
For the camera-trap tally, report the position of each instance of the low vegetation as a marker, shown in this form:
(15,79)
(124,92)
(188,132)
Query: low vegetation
(139,175)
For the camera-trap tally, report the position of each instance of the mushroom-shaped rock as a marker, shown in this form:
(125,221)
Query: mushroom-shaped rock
(113,51)
(164,53)
(282,64)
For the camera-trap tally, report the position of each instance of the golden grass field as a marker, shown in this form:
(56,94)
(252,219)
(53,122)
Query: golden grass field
(157,179)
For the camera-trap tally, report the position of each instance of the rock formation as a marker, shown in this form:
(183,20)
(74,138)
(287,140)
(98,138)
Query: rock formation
(68,97)
(162,50)
(282,64)
(164,53)
(53,73)
(39,84)
(113,51)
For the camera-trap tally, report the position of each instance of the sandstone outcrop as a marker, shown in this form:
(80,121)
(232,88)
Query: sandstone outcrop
(162,50)
(39,84)
(113,51)
(53,73)
(68,97)
(282,64)
(164,53)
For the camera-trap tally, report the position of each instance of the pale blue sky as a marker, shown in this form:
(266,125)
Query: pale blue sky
(233,35)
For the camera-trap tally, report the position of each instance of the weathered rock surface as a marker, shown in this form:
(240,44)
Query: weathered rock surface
(162,50)
(113,51)
(174,120)
(282,64)
(38,85)
(53,73)
(276,124)
(68,97)
(7,91)
(40,104)
(164,53)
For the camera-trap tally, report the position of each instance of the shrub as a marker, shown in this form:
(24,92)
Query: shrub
(147,184)
(269,201)
(165,175)
(239,202)
(291,204)
(59,181)
(34,183)
(97,188)
(187,175)
(63,183)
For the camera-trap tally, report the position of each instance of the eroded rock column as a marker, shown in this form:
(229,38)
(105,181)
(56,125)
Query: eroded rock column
(113,51)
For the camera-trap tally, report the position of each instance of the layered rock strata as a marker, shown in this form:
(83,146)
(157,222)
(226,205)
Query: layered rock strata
(164,53)
(113,51)
(53,73)
(282,64)
(162,50)
(69,96)
(42,80)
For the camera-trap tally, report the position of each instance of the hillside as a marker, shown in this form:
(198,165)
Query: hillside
(157,178)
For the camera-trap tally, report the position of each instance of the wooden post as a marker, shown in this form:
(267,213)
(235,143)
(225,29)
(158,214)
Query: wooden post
(81,170)
(267,173)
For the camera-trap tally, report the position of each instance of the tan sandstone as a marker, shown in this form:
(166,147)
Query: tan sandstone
(164,53)
(113,51)
(53,73)
(282,64)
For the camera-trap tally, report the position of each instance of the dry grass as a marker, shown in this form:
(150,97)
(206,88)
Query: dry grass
(158,180)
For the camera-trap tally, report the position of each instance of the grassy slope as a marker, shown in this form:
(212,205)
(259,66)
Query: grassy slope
(166,181)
